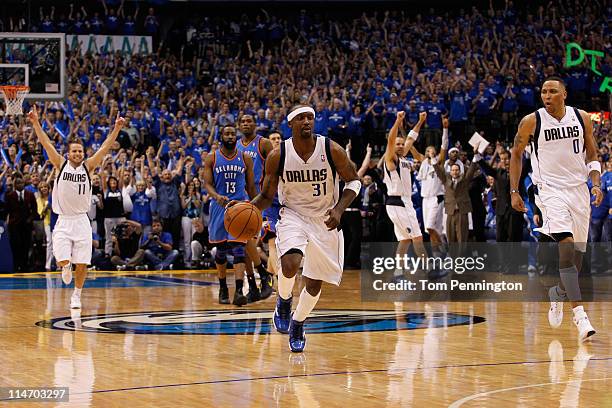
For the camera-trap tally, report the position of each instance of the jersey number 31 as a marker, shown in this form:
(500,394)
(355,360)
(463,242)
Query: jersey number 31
(317,189)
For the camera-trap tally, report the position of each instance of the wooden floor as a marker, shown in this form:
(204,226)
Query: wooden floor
(125,351)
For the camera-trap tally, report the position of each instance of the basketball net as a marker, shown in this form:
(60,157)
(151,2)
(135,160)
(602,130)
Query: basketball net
(13,96)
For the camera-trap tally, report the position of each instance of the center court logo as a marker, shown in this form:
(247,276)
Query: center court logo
(219,322)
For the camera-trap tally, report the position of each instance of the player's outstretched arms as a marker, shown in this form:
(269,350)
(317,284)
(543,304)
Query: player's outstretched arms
(413,135)
(43,139)
(389,156)
(97,158)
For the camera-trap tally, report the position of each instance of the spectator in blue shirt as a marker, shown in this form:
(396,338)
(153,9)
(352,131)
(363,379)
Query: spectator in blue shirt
(509,108)
(168,199)
(158,247)
(482,106)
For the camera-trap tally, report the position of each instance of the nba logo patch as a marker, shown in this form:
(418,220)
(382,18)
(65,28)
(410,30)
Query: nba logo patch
(322,157)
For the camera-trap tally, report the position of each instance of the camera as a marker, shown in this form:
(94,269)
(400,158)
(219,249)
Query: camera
(120,230)
(155,237)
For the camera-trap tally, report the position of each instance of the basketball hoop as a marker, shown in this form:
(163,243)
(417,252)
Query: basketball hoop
(13,98)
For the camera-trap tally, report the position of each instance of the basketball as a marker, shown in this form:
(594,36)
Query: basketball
(243,221)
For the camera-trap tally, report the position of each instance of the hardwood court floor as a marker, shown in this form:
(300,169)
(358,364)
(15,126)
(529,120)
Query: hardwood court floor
(448,357)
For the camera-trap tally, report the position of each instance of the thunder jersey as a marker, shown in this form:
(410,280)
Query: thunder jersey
(398,181)
(310,187)
(253,149)
(558,152)
(229,174)
(72,191)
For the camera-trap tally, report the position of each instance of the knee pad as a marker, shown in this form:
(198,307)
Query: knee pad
(221,254)
(239,253)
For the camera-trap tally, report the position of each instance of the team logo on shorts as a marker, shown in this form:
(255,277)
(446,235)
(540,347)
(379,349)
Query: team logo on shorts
(220,322)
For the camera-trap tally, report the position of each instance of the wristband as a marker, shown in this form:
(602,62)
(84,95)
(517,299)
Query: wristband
(594,165)
(354,185)
(413,135)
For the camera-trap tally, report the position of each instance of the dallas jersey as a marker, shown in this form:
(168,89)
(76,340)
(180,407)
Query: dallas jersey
(431,185)
(72,190)
(558,154)
(253,149)
(310,187)
(398,181)
(306,190)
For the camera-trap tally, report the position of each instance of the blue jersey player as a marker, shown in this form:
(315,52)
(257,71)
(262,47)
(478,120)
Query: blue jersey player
(228,175)
(258,149)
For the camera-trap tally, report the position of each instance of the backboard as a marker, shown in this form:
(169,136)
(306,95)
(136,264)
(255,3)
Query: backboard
(39,60)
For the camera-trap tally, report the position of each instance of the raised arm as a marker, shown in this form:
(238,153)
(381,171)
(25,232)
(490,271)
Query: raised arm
(97,158)
(352,186)
(414,133)
(43,138)
(389,156)
(525,130)
(365,165)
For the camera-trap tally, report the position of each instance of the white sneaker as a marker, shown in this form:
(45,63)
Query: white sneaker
(581,320)
(67,273)
(555,313)
(75,301)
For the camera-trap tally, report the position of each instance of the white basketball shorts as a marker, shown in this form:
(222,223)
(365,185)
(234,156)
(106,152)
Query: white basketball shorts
(405,222)
(323,250)
(565,210)
(72,239)
(433,214)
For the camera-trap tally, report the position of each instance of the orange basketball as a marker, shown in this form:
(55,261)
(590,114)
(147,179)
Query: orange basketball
(243,221)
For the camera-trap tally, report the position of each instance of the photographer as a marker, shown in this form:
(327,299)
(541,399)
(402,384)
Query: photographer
(126,252)
(158,248)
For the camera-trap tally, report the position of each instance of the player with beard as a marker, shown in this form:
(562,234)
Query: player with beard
(258,149)
(228,175)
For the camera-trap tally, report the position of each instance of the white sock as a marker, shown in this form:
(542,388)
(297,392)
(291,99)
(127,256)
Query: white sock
(77,291)
(578,309)
(285,286)
(306,304)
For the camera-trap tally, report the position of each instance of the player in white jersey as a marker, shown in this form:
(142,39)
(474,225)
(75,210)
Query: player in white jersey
(432,190)
(563,155)
(72,236)
(397,177)
(305,171)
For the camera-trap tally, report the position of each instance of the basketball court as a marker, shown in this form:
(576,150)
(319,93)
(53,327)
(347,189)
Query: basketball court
(152,339)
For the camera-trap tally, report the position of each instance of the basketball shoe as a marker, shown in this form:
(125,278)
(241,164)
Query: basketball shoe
(555,313)
(581,320)
(67,273)
(297,339)
(282,314)
(75,301)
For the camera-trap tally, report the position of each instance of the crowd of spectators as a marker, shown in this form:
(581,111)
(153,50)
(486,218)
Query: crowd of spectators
(481,68)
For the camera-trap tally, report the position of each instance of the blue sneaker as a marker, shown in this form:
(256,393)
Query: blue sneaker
(282,315)
(297,339)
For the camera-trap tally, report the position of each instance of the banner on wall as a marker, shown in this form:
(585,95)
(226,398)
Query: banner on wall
(102,44)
